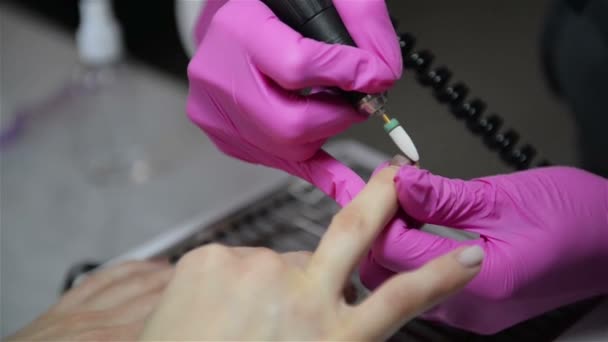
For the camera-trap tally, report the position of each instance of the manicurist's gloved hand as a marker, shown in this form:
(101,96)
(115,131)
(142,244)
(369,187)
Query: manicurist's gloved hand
(249,66)
(544,233)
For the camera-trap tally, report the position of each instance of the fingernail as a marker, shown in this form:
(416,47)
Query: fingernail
(471,257)
(399,160)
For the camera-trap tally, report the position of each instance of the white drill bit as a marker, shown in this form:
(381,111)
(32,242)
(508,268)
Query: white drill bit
(401,138)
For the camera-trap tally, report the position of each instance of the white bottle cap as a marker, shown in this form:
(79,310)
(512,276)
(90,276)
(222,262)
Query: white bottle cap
(99,37)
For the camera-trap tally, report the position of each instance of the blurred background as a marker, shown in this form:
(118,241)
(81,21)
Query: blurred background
(107,158)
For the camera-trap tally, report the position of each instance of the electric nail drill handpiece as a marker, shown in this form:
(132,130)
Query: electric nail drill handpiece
(319,20)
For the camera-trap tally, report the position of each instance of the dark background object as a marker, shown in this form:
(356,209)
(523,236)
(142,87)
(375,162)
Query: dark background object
(471,110)
(149,29)
(573,50)
(575,57)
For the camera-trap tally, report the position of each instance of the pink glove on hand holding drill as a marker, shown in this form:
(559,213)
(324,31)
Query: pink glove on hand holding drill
(545,232)
(248,67)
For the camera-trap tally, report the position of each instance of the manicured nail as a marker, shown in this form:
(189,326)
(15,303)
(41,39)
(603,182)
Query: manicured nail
(471,257)
(399,160)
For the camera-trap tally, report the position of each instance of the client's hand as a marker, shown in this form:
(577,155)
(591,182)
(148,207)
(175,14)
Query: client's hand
(544,232)
(237,294)
(111,305)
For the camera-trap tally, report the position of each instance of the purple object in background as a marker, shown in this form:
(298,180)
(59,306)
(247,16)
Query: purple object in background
(12,131)
(26,114)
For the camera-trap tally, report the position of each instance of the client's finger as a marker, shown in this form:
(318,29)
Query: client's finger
(404,296)
(126,290)
(100,280)
(353,230)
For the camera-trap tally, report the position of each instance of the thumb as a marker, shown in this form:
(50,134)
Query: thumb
(370,26)
(450,202)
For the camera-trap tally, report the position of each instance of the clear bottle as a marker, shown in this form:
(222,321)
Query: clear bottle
(105,127)
(99,104)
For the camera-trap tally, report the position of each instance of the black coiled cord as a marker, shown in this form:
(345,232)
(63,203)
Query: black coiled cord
(470,110)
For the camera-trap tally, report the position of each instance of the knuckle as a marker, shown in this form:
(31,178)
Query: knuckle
(131,267)
(83,320)
(293,129)
(293,65)
(139,283)
(215,250)
(267,261)
(100,277)
(210,254)
(95,280)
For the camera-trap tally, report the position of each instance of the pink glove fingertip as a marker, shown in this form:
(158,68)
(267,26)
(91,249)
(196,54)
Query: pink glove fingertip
(371,273)
(377,34)
(415,191)
(438,200)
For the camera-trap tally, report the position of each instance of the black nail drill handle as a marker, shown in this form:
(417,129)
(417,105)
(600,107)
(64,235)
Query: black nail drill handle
(315,19)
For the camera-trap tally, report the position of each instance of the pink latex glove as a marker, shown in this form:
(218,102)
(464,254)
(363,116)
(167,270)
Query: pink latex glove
(544,233)
(247,70)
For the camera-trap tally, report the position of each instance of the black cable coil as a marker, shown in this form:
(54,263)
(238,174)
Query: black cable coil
(470,110)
